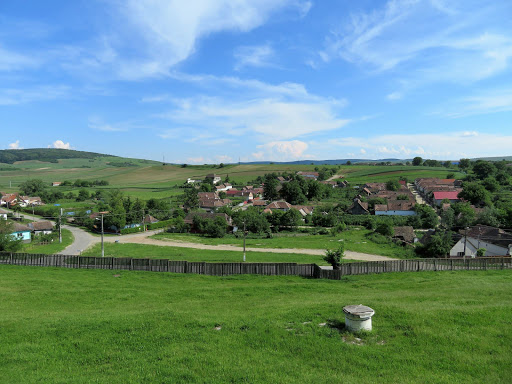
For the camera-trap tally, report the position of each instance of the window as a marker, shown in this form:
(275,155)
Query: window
(460,254)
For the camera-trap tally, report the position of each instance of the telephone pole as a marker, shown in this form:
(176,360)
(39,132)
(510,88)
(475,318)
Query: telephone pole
(60,226)
(102,245)
(244,241)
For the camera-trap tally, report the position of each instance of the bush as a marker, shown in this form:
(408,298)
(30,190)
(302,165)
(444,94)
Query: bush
(334,256)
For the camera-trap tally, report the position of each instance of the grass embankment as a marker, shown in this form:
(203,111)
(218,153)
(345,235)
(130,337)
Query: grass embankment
(52,248)
(191,254)
(357,240)
(83,326)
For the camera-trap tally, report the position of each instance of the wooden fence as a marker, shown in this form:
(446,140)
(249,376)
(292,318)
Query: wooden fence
(275,269)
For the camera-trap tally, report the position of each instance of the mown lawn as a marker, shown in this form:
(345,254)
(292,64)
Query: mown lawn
(191,254)
(357,240)
(99,326)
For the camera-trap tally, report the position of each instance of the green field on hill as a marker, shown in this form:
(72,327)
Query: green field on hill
(149,179)
(85,326)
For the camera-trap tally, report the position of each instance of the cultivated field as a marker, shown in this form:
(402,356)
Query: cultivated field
(148,179)
(83,326)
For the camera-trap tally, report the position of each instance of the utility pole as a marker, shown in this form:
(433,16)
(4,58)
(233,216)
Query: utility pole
(465,242)
(143,223)
(244,241)
(102,246)
(60,226)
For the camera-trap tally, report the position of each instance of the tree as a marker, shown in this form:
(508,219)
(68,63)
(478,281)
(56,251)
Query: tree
(417,161)
(270,187)
(190,199)
(293,193)
(464,164)
(491,184)
(8,243)
(448,218)
(334,256)
(447,164)
(291,218)
(33,187)
(427,216)
(475,193)
(483,169)
(385,229)
(393,185)
(83,195)
(480,252)
(439,245)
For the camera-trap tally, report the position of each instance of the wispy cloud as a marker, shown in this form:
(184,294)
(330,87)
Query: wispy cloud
(283,150)
(485,102)
(12,96)
(250,107)
(97,123)
(427,41)
(254,56)
(166,33)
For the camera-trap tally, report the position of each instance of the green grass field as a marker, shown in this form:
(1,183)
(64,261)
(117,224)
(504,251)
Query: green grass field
(100,326)
(148,179)
(53,248)
(191,254)
(354,240)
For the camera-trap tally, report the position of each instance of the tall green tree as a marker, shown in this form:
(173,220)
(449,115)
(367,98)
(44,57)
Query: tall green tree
(417,161)
(270,187)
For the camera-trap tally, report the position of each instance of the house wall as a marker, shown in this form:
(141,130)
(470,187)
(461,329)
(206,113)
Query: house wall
(395,213)
(3,216)
(472,246)
(25,236)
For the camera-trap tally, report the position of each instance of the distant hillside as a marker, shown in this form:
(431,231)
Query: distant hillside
(52,155)
(327,162)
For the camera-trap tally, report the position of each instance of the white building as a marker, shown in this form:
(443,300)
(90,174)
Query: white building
(495,241)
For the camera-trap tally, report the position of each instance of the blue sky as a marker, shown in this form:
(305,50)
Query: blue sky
(209,81)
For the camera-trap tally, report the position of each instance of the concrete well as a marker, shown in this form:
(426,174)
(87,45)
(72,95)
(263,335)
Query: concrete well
(358,317)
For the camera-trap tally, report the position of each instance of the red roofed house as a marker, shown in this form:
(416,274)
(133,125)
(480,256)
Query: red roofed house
(452,196)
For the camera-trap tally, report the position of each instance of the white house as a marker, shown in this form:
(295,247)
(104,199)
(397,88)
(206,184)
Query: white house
(215,178)
(495,241)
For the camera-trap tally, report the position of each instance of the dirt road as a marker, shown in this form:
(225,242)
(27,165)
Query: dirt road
(142,238)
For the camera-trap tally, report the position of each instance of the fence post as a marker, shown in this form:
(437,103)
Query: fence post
(502,263)
(78,258)
(131,264)
(10,258)
(435,266)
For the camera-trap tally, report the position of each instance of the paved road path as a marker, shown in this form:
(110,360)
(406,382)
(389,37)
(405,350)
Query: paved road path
(142,238)
(83,240)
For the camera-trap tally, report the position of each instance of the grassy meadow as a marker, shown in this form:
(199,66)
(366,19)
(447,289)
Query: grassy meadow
(52,248)
(191,254)
(149,179)
(100,326)
(358,240)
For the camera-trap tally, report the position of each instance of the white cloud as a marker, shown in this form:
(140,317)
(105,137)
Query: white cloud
(60,144)
(15,145)
(250,107)
(197,160)
(363,151)
(283,150)
(435,146)
(13,61)
(254,56)
(166,31)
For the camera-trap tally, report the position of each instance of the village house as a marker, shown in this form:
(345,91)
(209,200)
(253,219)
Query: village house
(223,187)
(213,178)
(22,232)
(194,181)
(396,208)
(358,208)
(405,235)
(495,241)
(9,200)
(56,184)
(41,227)
(304,210)
(278,205)
(440,196)
(308,174)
